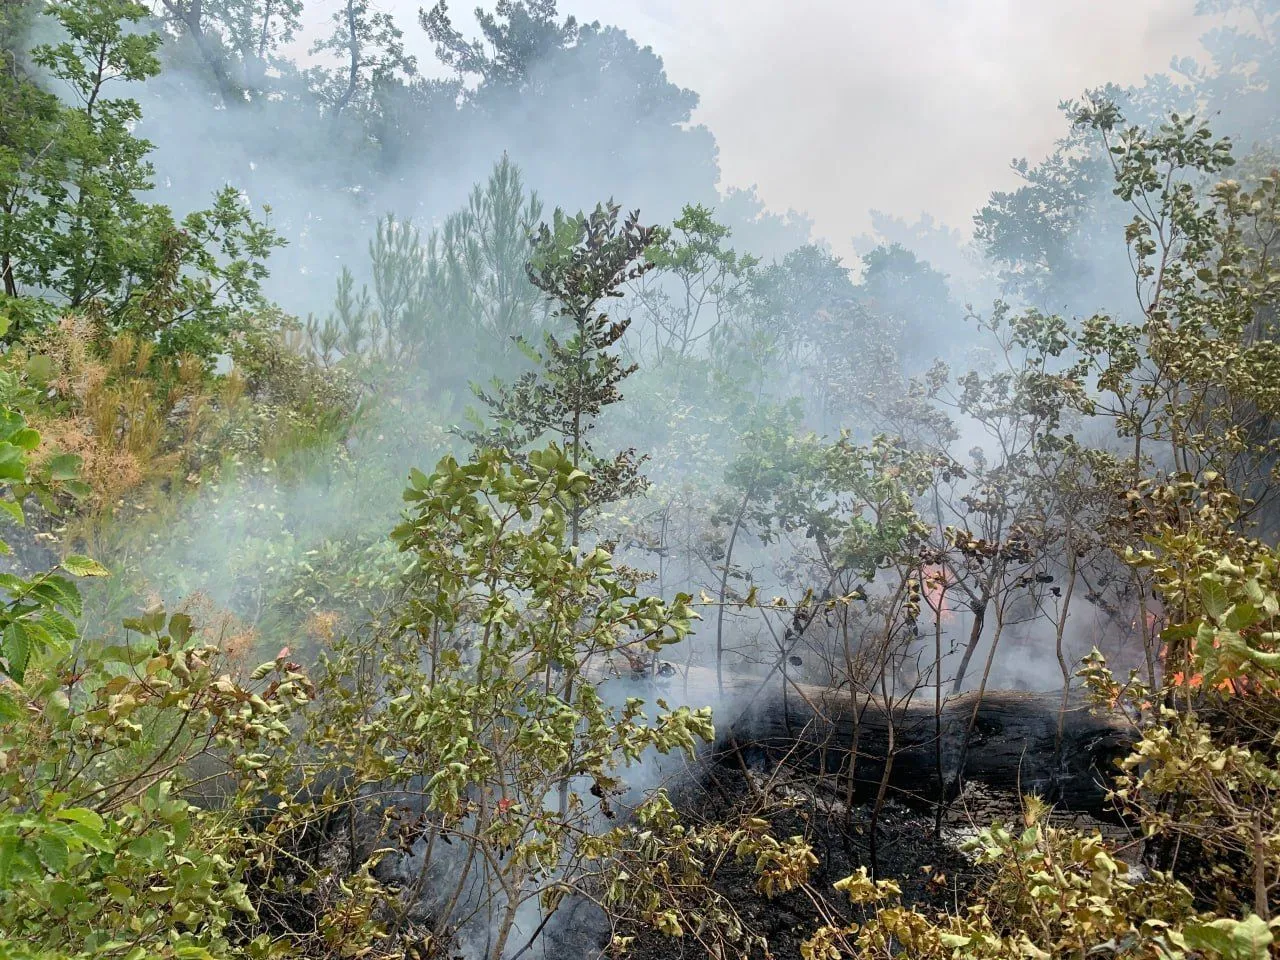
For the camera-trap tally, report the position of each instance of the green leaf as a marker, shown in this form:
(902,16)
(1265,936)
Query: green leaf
(40,369)
(65,466)
(8,848)
(63,894)
(26,438)
(9,709)
(149,846)
(16,646)
(1214,597)
(1247,939)
(58,705)
(82,566)
(60,626)
(65,591)
(180,627)
(53,852)
(13,463)
(1240,616)
(87,827)
(77,488)
(82,815)
(13,509)
(262,670)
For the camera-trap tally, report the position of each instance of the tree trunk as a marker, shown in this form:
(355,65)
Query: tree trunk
(979,610)
(1011,749)
(724,589)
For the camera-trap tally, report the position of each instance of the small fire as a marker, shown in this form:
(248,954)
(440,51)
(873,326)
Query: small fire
(1231,685)
(935,593)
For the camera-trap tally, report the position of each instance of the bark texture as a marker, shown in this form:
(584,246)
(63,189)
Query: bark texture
(1011,748)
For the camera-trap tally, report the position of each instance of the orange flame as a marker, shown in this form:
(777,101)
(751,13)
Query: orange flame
(1179,679)
(934,585)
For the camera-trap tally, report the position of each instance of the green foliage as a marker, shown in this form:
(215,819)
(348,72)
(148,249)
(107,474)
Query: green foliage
(1238,79)
(696,284)
(1189,388)
(482,698)
(1203,774)
(898,284)
(370,49)
(476,722)
(579,262)
(73,224)
(479,291)
(1048,892)
(465,290)
(237,41)
(510,49)
(101,853)
(35,616)
(1043,234)
(203,288)
(856,503)
(70,221)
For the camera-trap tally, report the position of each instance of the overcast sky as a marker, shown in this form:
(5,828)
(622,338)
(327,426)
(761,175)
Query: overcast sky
(840,106)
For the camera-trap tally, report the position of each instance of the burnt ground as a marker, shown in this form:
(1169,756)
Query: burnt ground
(931,871)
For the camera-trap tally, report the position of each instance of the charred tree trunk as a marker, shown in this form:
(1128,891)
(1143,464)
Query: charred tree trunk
(1014,747)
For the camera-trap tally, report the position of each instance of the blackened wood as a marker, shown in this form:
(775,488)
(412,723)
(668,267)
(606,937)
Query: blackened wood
(1013,749)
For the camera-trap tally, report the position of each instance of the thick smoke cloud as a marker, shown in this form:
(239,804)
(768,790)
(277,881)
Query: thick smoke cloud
(839,108)
(866,115)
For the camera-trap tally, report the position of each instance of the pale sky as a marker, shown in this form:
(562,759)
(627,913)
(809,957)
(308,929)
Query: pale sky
(840,106)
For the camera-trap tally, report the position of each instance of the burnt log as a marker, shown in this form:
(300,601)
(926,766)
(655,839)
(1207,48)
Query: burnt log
(1014,745)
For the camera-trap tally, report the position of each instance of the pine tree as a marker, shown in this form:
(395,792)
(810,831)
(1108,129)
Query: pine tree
(476,269)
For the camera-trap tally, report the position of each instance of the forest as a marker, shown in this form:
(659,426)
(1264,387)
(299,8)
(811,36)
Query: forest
(444,521)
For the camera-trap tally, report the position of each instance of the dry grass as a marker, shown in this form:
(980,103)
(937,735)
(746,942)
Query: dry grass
(322,626)
(116,403)
(219,627)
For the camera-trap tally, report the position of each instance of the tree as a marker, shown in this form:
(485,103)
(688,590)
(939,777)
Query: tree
(1166,502)
(801,319)
(73,226)
(70,220)
(696,285)
(28,113)
(548,81)
(237,41)
(476,269)
(1045,235)
(460,720)
(103,850)
(1194,378)
(898,284)
(100,851)
(434,303)
(35,611)
(1239,81)
(517,37)
(372,52)
(767,234)
(578,262)
(770,458)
